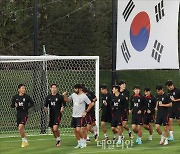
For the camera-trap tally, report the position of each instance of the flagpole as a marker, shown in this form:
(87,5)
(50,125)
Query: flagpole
(113,42)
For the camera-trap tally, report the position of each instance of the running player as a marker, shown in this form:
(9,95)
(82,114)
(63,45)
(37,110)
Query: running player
(163,102)
(22,102)
(56,103)
(78,116)
(149,111)
(125,93)
(106,109)
(118,103)
(137,110)
(174,111)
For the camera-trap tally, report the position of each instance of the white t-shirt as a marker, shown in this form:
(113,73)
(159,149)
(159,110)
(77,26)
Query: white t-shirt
(79,104)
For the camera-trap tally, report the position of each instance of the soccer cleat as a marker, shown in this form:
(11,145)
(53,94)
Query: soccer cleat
(139,141)
(118,142)
(170,139)
(130,135)
(166,142)
(88,140)
(58,144)
(78,146)
(24,144)
(161,141)
(96,137)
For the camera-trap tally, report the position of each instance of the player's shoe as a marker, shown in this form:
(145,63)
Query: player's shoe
(78,146)
(106,138)
(88,140)
(24,144)
(96,137)
(170,139)
(58,144)
(130,135)
(166,142)
(161,141)
(118,142)
(150,138)
(139,141)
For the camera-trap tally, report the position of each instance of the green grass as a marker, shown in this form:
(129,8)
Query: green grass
(46,145)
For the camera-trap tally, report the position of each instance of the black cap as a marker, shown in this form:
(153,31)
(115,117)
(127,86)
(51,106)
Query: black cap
(122,82)
(159,87)
(147,89)
(78,86)
(169,83)
(136,87)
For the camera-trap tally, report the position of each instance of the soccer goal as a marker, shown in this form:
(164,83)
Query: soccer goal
(38,73)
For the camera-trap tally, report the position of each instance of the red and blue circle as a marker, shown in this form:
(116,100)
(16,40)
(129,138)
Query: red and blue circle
(140,31)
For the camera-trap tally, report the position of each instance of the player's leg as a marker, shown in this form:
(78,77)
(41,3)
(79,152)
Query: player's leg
(104,130)
(139,128)
(114,128)
(166,129)
(57,135)
(83,132)
(119,129)
(171,137)
(21,121)
(158,129)
(150,131)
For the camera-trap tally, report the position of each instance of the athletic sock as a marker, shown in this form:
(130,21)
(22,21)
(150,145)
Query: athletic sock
(95,129)
(120,137)
(88,137)
(58,139)
(105,135)
(171,134)
(24,139)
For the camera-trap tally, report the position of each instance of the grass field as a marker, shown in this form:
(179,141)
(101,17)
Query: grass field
(46,145)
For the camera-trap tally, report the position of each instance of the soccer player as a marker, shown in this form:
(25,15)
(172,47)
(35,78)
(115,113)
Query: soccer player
(163,102)
(22,102)
(90,116)
(125,93)
(118,103)
(78,116)
(56,104)
(149,111)
(137,110)
(106,109)
(174,111)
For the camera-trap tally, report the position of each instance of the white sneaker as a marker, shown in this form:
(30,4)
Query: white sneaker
(166,142)
(161,141)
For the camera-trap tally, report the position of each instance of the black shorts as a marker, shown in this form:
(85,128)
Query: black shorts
(106,117)
(78,122)
(22,119)
(148,118)
(54,120)
(125,115)
(90,117)
(162,119)
(117,120)
(174,113)
(137,119)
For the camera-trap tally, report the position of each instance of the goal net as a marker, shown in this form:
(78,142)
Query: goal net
(38,73)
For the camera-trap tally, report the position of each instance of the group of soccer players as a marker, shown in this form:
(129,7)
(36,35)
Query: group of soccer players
(115,110)
(83,116)
(145,108)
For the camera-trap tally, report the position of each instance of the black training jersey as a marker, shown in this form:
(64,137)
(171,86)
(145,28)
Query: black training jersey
(125,93)
(137,103)
(106,98)
(118,103)
(23,103)
(91,96)
(176,94)
(55,102)
(150,103)
(164,99)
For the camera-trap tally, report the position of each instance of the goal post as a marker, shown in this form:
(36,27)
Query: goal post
(38,73)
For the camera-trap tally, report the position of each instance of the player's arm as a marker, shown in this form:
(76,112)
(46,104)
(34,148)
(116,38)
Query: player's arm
(31,102)
(177,99)
(131,105)
(166,105)
(90,105)
(46,103)
(66,98)
(13,102)
(153,106)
